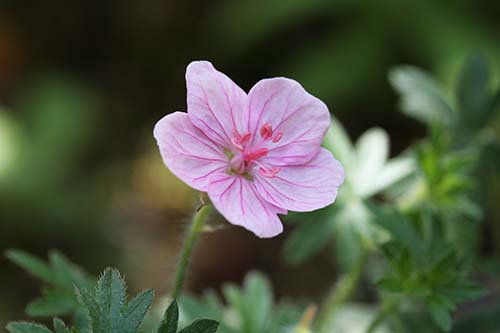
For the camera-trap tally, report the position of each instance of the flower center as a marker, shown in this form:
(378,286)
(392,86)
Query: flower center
(242,163)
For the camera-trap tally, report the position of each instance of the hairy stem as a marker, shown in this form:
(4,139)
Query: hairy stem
(187,248)
(339,294)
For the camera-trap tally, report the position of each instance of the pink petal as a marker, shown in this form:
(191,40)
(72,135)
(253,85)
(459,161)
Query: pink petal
(303,187)
(238,201)
(301,118)
(187,152)
(215,102)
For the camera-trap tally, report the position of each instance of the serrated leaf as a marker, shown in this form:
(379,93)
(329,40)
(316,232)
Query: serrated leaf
(170,319)
(26,327)
(87,299)
(137,308)
(421,97)
(31,264)
(201,326)
(107,307)
(110,297)
(59,326)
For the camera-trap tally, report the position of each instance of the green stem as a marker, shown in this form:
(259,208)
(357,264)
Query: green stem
(339,294)
(187,248)
(388,305)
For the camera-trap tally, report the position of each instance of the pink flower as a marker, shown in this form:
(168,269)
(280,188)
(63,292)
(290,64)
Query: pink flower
(257,154)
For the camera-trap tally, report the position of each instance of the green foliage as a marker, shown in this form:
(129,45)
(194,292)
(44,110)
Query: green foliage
(464,111)
(422,97)
(171,318)
(369,171)
(250,309)
(60,277)
(108,308)
(422,266)
(26,327)
(474,97)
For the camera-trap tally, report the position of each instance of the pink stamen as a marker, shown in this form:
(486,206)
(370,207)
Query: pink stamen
(278,137)
(238,140)
(236,143)
(269,172)
(245,137)
(255,155)
(266,131)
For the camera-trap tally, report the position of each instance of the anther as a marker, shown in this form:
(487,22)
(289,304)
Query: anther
(266,131)
(269,172)
(255,155)
(278,137)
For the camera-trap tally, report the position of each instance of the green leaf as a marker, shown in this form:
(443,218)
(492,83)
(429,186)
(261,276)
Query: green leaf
(59,326)
(25,327)
(170,319)
(473,92)
(372,150)
(110,297)
(307,239)
(66,273)
(441,315)
(253,304)
(338,142)
(52,303)
(201,326)
(393,171)
(136,309)
(31,264)
(421,97)
(392,284)
(107,307)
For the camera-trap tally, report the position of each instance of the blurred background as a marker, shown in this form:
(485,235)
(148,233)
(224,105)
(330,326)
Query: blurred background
(82,84)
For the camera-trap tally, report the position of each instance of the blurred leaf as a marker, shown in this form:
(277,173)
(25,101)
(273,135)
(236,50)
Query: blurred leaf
(253,302)
(307,239)
(372,151)
(201,326)
(441,315)
(348,245)
(60,326)
(338,142)
(473,92)
(393,171)
(421,97)
(31,264)
(25,327)
(61,276)
(52,303)
(249,309)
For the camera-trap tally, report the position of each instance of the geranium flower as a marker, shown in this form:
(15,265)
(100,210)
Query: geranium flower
(257,154)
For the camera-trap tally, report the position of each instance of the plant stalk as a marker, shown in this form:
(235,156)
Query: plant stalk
(339,294)
(187,248)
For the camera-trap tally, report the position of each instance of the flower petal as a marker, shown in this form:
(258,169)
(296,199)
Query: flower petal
(238,201)
(187,152)
(215,102)
(303,187)
(301,118)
